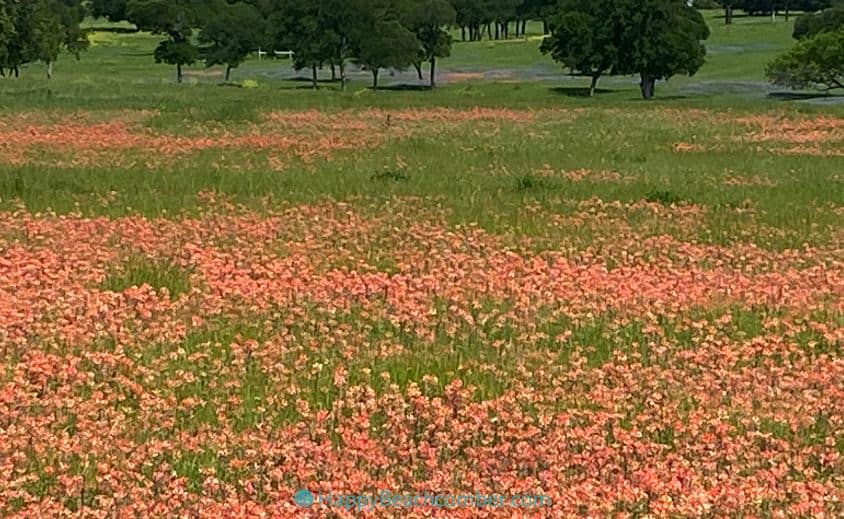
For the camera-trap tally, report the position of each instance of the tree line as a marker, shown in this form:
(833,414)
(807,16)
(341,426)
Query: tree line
(654,39)
(377,34)
(38,30)
(769,7)
(658,39)
(398,34)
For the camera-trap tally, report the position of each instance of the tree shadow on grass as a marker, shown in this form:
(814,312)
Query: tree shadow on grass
(802,96)
(404,87)
(117,30)
(580,91)
(303,83)
(670,97)
(308,79)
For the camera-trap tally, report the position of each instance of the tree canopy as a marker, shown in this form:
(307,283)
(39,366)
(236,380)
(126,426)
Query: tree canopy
(38,30)
(660,39)
(811,24)
(173,18)
(767,7)
(428,19)
(380,39)
(310,30)
(584,38)
(817,61)
(113,10)
(230,34)
(655,39)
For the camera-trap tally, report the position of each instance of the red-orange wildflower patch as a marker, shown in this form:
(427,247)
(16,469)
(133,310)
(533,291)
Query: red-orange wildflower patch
(619,377)
(287,135)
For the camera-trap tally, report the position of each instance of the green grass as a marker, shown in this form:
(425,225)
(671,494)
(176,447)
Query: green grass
(492,166)
(468,168)
(138,271)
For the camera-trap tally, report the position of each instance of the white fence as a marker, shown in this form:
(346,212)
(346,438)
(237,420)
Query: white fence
(277,53)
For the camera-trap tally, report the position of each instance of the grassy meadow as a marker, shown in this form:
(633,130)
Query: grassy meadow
(215,295)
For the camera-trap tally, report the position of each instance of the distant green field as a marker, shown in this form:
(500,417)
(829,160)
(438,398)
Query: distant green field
(471,169)
(118,71)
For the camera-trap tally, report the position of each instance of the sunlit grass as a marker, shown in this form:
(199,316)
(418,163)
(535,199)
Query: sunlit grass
(140,271)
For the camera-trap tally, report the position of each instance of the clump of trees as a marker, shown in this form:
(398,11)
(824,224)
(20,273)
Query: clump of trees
(38,30)
(428,19)
(230,35)
(113,10)
(495,17)
(817,60)
(769,7)
(812,24)
(175,19)
(377,34)
(655,39)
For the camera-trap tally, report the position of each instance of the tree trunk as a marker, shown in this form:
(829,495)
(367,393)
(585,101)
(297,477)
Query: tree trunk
(787,10)
(463,33)
(178,72)
(497,30)
(418,67)
(524,27)
(228,72)
(2,72)
(648,85)
(49,70)
(342,75)
(17,71)
(314,76)
(728,15)
(544,27)
(433,72)
(375,79)
(333,73)
(594,84)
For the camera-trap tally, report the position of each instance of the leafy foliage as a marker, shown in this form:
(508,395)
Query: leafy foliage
(312,30)
(113,10)
(174,18)
(764,7)
(8,33)
(38,30)
(656,39)
(583,38)
(814,62)
(428,19)
(818,58)
(381,40)
(811,24)
(660,38)
(232,32)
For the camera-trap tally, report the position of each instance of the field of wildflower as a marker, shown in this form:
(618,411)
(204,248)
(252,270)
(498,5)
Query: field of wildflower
(636,312)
